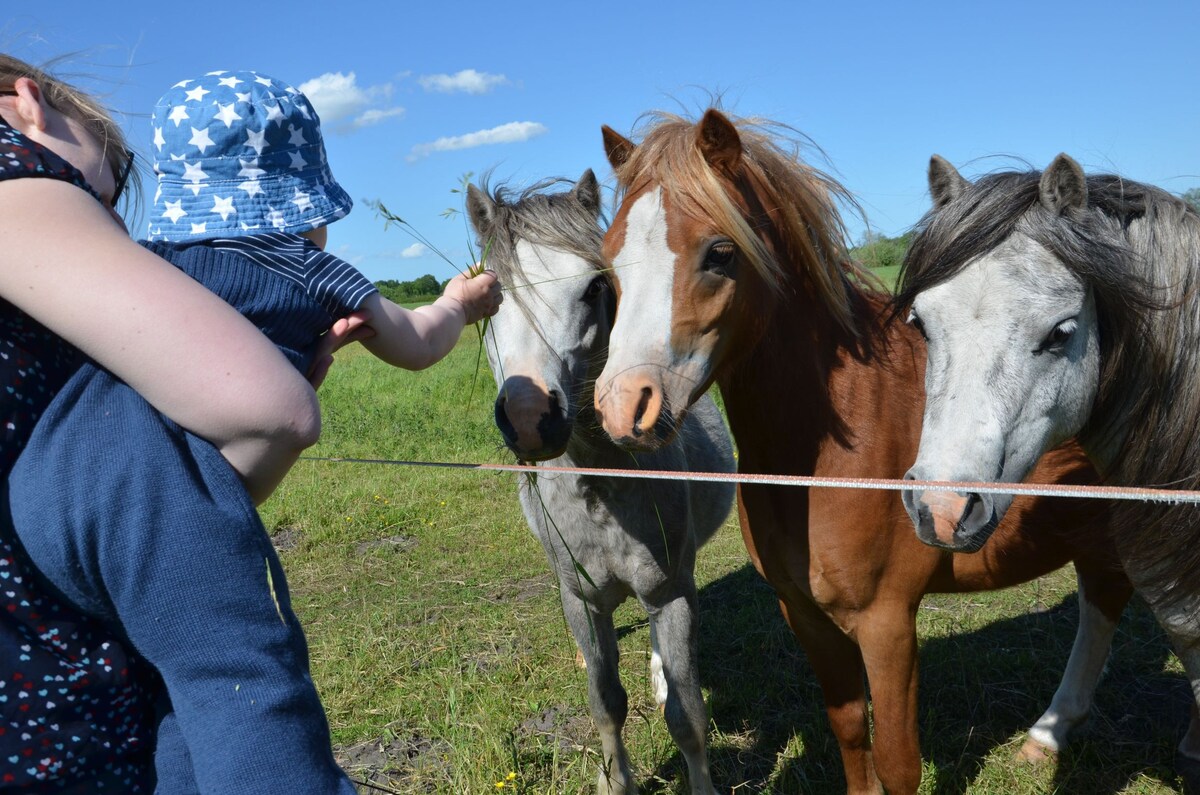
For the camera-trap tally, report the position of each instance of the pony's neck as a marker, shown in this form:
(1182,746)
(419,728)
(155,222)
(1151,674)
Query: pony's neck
(784,387)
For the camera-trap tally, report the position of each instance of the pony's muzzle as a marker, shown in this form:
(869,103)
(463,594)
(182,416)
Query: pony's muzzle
(960,521)
(532,420)
(630,409)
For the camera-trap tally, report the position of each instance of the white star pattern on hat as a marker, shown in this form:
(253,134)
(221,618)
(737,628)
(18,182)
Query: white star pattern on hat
(200,139)
(251,187)
(297,134)
(256,140)
(158,139)
(274,114)
(298,162)
(197,93)
(174,211)
(178,114)
(275,217)
(266,81)
(229,82)
(199,229)
(250,169)
(193,173)
(223,207)
(302,202)
(227,114)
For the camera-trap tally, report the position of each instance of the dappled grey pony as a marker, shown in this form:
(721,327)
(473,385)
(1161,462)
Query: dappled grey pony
(1057,304)
(606,538)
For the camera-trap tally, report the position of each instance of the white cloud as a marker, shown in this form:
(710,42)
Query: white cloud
(376,115)
(467,81)
(415,250)
(513,132)
(347,253)
(339,99)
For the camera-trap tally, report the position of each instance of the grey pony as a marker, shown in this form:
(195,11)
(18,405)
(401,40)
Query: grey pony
(606,538)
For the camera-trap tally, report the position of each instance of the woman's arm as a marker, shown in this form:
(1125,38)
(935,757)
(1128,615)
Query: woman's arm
(65,262)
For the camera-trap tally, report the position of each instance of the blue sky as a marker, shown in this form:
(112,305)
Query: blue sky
(414,95)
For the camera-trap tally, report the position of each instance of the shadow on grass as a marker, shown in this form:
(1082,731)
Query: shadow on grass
(979,691)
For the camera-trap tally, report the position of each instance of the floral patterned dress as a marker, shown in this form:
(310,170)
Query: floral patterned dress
(76,706)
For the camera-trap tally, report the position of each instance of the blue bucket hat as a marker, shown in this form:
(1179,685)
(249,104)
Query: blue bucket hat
(238,153)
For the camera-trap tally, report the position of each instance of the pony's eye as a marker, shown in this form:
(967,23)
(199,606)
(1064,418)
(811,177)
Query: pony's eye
(720,259)
(914,320)
(596,288)
(1059,336)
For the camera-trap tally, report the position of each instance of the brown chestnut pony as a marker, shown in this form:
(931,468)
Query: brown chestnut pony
(729,259)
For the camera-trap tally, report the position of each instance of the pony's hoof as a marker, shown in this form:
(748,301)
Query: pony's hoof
(1034,753)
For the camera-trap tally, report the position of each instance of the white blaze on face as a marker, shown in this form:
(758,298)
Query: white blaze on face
(645,268)
(534,344)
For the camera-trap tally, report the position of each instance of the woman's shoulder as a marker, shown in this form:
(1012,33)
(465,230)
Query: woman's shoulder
(21,157)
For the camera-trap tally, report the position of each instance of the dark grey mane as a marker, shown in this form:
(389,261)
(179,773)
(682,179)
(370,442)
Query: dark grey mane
(1137,248)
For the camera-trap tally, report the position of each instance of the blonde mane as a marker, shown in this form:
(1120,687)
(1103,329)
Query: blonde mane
(800,202)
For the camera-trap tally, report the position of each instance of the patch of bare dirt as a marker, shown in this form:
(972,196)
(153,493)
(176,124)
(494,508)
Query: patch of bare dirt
(286,538)
(570,728)
(407,764)
(397,543)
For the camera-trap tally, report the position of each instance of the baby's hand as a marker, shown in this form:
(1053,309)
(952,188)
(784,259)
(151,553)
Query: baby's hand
(480,295)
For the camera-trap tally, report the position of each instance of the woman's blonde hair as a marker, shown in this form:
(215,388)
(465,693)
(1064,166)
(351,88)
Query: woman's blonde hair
(73,103)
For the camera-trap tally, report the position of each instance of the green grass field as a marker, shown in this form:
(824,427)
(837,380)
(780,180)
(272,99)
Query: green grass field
(445,665)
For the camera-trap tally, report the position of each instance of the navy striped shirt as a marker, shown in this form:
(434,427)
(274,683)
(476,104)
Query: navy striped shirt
(336,285)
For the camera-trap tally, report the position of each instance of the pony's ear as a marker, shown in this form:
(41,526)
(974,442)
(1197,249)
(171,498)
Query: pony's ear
(617,148)
(945,183)
(480,209)
(587,192)
(1063,186)
(719,141)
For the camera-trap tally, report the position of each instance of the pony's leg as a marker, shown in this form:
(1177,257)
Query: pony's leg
(838,664)
(597,641)
(658,680)
(887,635)
(1103,594)
(1187,647)
(1181,622)
(674,630)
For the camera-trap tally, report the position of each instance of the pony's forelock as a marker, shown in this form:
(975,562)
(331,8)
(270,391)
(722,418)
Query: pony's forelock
(801,202)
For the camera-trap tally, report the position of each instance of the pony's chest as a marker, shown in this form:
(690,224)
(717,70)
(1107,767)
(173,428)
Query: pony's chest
(612,531)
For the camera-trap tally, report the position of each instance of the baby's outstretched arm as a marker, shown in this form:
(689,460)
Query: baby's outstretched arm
(416,338)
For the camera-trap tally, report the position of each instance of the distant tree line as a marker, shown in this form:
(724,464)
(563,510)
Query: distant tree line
(1192,197)
(880,251)
(876,250)
(423,289)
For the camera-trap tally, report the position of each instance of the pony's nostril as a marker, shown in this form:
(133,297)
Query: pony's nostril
(640,414)
(977,513)
(503,423)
